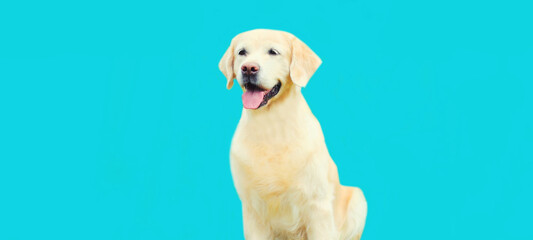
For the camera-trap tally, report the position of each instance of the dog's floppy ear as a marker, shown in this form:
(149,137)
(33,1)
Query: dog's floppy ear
(304,62)
(226,66)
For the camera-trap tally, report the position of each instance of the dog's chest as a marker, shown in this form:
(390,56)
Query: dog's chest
(269,169)
(269,179)
(271,165)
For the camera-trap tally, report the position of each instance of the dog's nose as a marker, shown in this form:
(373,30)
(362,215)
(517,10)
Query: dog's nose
(250,68)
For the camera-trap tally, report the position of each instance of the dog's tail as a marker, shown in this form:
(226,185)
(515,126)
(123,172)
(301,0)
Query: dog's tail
(352,228)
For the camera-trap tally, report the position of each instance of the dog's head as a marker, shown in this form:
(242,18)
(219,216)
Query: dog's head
(266,63)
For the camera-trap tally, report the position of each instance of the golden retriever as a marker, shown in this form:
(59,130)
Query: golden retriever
(281,168)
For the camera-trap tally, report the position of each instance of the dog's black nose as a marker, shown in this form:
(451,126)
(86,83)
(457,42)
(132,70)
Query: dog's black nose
(250,69)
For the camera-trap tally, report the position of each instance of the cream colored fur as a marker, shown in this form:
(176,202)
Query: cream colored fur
(281,168)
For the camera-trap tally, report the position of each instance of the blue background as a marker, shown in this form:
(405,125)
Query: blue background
(116,124)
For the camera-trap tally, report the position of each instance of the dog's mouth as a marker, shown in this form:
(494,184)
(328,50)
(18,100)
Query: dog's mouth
(255,96)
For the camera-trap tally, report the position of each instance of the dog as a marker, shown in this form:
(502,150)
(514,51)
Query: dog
(285,178)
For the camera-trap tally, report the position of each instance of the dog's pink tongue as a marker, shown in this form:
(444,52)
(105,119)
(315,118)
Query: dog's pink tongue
(252,99)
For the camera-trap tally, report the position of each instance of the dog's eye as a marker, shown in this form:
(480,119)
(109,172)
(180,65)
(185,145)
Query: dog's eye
(273,52)
(242,52)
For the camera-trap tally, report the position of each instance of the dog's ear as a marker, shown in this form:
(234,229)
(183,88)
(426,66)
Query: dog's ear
(304,62)
(226,66)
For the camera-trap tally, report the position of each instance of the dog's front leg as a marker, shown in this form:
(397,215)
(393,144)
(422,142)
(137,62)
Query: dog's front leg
(321,223)
(254,227)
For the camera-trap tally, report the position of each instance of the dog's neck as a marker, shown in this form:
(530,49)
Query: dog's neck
(286,117)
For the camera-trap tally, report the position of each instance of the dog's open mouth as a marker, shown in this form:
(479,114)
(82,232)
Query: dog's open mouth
(255,97)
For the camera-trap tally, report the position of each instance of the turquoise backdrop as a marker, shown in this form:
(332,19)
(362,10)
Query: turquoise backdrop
(115,122)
